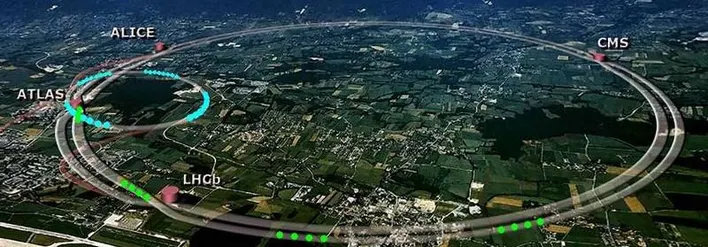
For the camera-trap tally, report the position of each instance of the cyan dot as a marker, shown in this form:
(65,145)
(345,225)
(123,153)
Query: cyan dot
(106,125)
(98,124)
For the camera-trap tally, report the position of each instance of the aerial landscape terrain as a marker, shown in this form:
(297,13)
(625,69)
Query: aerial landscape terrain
(361,123)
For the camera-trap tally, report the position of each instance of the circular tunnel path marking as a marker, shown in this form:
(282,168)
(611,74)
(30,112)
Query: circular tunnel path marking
(79,115)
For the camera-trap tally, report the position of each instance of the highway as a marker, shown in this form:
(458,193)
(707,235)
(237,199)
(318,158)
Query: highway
(600,196)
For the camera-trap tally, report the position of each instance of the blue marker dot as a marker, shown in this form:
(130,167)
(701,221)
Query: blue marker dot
(106,125)
(98,124)
(89,120)
(82,117)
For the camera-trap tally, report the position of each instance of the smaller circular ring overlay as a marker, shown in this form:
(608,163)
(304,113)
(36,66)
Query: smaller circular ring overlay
(78,112)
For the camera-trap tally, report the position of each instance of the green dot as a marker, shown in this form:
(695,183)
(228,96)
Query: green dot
(124,183)
(501,230)
(527,224)
(294,236)
(514,227)
(146,197)
(279,235)
(324,238)
(131,187)
(540,221)
(309,237)
(139,192)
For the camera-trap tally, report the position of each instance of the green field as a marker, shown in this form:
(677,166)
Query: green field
(12,234)
(640,222)
(24,213)
(694,235)
(162,224)
(45,240)
(584,235)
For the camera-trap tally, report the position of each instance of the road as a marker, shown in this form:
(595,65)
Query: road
(477,227)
